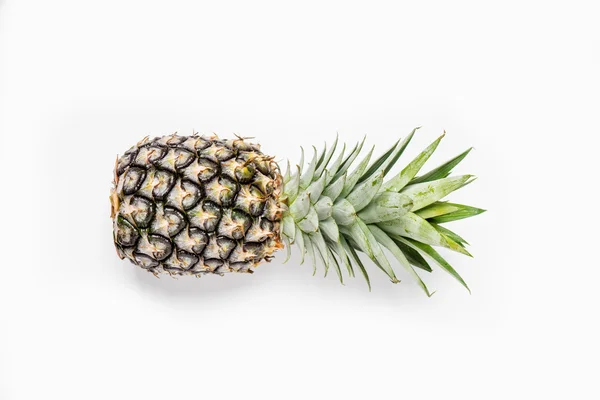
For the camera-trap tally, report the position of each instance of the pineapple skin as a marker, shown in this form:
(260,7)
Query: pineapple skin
(194,205)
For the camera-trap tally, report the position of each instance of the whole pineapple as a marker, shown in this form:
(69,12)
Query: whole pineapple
(192,205)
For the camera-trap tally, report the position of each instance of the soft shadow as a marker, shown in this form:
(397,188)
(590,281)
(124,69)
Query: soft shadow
(295,279)
(213,286)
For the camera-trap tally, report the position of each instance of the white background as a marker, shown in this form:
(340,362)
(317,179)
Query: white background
(81,81)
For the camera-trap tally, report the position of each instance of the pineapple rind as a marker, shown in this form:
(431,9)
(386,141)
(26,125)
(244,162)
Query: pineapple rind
(192,205)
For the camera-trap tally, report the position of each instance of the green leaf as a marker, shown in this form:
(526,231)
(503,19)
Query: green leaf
(341,253)
(310,223)
(388,243)
(387,161)
(319,243)
(324,207)
(288,248)
(386,206)
(399,151)
(399,181)
(333,168)
(343,212)
(286,176)
(356,174)
(336,266)
(350,159)
(321,156)
(447,232)
(316,188)
(430,251)
(412,226)
(352,253)
(378,164)
(321,167)
(461,212)
(364,192)
(443,170)
(311,251)
(426,193)
(333,190)
(308,175)
(291,188)
(436,209)
(289,227)
(452,245)
(367,243)
(414,257)
(330,229)
(301,163)
(299,208)
(300,242)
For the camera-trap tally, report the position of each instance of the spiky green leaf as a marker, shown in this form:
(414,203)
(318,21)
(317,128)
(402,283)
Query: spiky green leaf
(461,212)
(333,168)
(388,243)
(320,158)
(286,176)
(288,248)
(452,235)
(324,207)
(452,245)
(350,159)
(436,209)
(343,212)
(321,167)
(310,223)
(435,256)
(356,174)
(308,175)
(364,192)
(399,150)
(300,242)
(352,253)
(289,227)
(330,229)
(291,188)
(316,188)
(399,181)
(318,242)
(334,189)
(443,170)
(426,193)
(412,226)
(301,163)
(299,208)
(333,261)
(386,206)
(414,257)
(341,253)
(379,164)
(310,250)
(368,244)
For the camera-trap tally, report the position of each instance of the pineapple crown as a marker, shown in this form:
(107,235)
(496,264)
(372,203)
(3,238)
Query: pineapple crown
(333,214)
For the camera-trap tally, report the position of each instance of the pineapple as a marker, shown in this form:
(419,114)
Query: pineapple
(194,205)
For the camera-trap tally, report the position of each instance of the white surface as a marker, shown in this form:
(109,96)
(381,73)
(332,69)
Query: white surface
(82,81)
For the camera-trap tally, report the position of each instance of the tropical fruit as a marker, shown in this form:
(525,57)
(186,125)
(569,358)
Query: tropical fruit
(193,205)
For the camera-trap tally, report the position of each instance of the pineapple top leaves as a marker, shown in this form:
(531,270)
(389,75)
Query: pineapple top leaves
(335,211)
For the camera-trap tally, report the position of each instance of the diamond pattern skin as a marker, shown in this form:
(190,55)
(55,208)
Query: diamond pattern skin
(194,205)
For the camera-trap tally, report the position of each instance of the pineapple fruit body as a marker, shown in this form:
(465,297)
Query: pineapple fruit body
(192,205)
